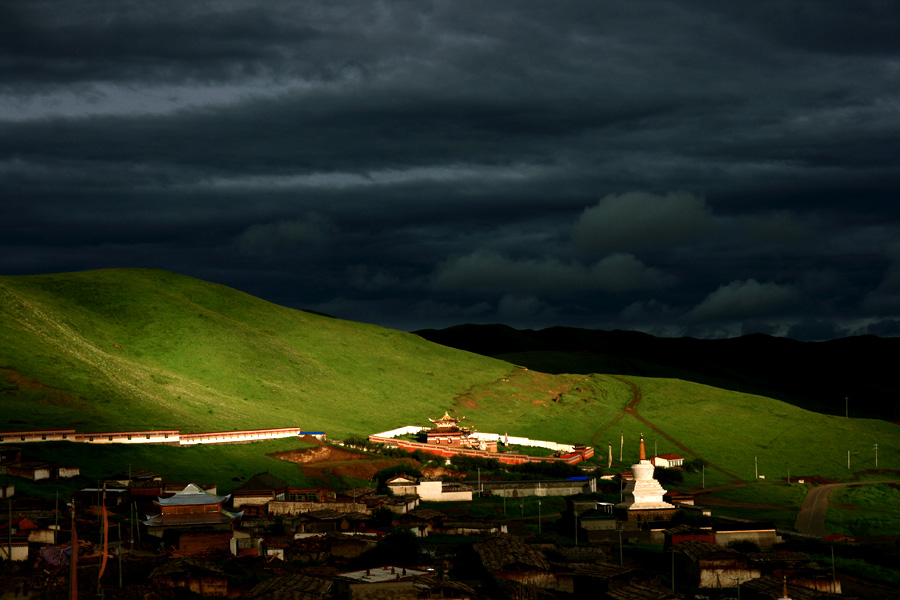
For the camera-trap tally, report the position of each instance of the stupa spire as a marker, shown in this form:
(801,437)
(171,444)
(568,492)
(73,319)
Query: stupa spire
(643,455)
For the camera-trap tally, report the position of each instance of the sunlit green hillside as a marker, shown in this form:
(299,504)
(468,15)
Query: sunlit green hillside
(133,349)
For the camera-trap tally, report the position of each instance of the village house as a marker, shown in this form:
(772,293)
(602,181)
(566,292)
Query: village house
(303,500)
(429,489)
(402,504)
(667,461)
(381,582)
(683,533)
(200,577)
(14,538)
(337,548)
(593,578)
(191,507)
(541,487)
(402,484)
(37,470)
(709,565)
(798,568)
(296,586)
(9,455)
(421,522)
(773,588)
(509,558)
(639,591)
(254,495)
(764,535)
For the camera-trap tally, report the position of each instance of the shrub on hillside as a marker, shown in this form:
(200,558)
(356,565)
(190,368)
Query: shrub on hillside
(664,475)
(694,464)
(473,463)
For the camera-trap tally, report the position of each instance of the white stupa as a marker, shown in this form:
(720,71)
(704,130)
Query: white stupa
(643,496)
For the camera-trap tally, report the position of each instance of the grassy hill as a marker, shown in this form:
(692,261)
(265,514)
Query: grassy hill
(130,349)
(854,373)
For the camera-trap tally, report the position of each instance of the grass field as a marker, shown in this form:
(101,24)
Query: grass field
(134,349)
(866,511)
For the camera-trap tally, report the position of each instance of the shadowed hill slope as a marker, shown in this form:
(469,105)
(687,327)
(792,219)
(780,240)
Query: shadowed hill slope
(815,375)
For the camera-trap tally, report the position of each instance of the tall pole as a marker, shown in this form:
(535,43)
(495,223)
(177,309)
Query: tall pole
(119,551)
(73,560)
(833,576)
(621,558)
(575,515)
(876,455)
(848,459)
(539,516)
(756,467)
(621,446)
(673,569)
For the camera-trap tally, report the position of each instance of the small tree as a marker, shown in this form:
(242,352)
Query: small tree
(664,475)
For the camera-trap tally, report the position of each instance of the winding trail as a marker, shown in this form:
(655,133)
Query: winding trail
(631,409)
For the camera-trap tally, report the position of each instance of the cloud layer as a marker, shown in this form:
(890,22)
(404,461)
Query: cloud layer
(676,166)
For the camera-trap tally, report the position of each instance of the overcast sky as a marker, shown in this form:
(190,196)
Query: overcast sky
(679,167)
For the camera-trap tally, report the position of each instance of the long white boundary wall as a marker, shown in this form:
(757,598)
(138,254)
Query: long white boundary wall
(166,436)
(492,437)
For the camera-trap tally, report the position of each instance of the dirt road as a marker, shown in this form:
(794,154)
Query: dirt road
(811,518)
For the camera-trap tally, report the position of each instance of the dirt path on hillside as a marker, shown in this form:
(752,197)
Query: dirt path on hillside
(631,409)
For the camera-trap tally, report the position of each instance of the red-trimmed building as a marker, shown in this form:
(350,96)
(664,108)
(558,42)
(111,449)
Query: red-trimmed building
(191,507)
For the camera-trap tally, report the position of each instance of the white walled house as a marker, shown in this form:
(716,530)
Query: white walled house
(667,461)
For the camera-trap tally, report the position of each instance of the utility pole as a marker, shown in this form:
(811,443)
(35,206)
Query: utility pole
(876,454)
(848,459)
(756,467)
(672,550)
(621,446)
(575,515)
(539,516)
(621,558)
(119,551)
(833,576)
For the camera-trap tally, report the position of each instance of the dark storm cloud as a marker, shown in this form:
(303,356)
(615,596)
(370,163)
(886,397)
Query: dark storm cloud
(682,167)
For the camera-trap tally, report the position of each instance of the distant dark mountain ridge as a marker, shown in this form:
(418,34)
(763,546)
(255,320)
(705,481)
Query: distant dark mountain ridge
(855,372)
